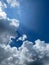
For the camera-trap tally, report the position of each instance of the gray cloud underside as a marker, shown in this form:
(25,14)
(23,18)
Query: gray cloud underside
(5,27)
(7,30)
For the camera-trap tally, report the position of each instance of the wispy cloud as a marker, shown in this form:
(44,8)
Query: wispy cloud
(3,15)
(13,3)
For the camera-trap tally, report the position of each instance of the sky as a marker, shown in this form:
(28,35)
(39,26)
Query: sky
(35,17)
(24,32)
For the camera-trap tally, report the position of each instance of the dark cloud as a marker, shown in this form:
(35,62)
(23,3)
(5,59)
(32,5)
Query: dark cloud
(37,62)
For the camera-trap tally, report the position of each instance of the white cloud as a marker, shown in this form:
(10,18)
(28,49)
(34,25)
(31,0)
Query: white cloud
(7,30)
(8,26)
(27,54)
(22,38)
(2,5)
(13,3)
(3,15)
(14,23)
(6,55)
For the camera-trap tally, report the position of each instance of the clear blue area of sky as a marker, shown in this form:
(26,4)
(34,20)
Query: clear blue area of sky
(35,19)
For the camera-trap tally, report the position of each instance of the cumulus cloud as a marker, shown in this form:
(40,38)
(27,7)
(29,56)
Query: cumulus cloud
(8,26)
(13,3)
(7,30)
(22,38)
(27,54)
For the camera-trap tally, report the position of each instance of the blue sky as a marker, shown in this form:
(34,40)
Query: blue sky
(34,18)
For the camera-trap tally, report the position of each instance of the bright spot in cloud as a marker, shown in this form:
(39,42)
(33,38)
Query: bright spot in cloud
(15,23)
(3,15)
(22,38)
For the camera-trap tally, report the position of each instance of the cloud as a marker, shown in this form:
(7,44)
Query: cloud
(13,3)
(6,55)
(27,54)
(3,5)
(8,26)
(3,15)
(7,30)
(14,23)
(22,38)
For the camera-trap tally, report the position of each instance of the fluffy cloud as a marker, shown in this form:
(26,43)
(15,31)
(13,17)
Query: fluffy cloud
(22,38)
(27,54)
(8,26)
(14,23)
(3,15)
(7,30)
(13,3)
